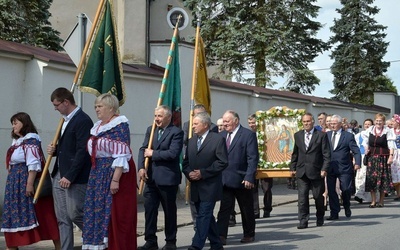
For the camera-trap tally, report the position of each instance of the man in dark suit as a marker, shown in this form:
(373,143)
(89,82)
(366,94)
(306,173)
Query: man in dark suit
(198,108)
(239,177)
(310,163)
(204,161)
(72,165)
(163,177)
(343,149)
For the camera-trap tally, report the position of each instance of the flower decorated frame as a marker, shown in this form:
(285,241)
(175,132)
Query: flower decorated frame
(278,115)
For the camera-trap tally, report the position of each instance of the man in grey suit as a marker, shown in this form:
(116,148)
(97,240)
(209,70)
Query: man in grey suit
(204,161)
(310,163)
(72,165)
(163,177)
(343,149)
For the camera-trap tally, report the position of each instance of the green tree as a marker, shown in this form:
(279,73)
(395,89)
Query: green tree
(358,67)
(274,38)
(27,22)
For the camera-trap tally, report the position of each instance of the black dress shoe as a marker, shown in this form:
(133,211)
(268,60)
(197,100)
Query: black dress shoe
(302,226)
(256,216)
(347,212)
(267,215)
(320,222)
(221,248)
(358,199)
(169,246)
(193,248)
(148,246)
(247,239)
(332,217)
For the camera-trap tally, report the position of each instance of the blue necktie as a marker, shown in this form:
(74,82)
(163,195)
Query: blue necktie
(199,142)
(160,132)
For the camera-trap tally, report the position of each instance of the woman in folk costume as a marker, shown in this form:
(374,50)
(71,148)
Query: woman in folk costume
(110,211)
(395,167)
(379,145)
(25,223)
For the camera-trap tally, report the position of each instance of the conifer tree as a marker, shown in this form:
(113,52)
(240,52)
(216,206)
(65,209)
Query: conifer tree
(359,48)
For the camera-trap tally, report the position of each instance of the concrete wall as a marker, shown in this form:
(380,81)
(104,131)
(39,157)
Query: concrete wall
(27,83)
(131,21)
(386,99)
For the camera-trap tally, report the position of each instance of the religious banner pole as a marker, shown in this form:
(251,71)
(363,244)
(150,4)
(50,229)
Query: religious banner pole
(192,100)
(161,95)
(77,74)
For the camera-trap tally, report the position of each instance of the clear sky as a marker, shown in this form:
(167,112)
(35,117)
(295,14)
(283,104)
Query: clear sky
(389,16)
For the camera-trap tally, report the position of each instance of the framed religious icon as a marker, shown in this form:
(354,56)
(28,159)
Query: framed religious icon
(275,137)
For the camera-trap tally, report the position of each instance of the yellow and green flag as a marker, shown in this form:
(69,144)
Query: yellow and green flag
(172,95)
(103,70)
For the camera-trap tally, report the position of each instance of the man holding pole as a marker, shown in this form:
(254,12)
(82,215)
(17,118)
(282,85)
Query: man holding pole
(162,177)
(72,166)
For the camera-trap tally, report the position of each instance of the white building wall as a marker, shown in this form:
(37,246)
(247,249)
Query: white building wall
(27,84)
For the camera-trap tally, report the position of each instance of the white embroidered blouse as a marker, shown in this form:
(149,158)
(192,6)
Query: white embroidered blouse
(106,147)
(31,155)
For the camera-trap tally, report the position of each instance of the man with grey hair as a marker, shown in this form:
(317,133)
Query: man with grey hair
(205,159)
(162,177)
(239,177)
(343,149)
(310,163)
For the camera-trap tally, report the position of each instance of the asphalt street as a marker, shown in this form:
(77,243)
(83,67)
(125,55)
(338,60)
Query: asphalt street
(368,228)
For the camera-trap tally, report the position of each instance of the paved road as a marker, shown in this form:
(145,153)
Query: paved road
(368,228)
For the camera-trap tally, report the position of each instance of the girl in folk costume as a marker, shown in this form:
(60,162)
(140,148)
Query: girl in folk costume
(25,223)
(110,212)
(395,167)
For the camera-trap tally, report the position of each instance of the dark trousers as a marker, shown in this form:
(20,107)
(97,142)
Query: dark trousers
(304,186)
(256,204)
(266,185)
(154,195)
(244,198)
(206,226)
(346,182)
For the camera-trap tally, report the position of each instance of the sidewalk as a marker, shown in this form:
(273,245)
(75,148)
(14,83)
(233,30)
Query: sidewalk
(280,195)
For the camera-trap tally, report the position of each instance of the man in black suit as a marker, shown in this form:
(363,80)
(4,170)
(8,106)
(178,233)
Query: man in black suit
(239,177)
(310,163)
(198,108)
(204,161)
(343,149)
(72,165)
(163,177)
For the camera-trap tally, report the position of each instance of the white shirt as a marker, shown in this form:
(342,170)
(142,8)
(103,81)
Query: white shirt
(338,133)
(68,118)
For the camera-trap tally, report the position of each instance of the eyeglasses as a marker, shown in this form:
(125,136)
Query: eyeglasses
(58,104)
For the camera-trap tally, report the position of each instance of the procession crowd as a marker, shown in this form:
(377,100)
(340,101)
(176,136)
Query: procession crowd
(94,182)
